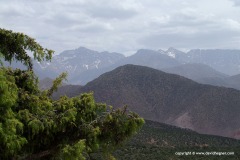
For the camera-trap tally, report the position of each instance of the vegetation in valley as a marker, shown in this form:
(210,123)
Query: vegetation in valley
(162,142)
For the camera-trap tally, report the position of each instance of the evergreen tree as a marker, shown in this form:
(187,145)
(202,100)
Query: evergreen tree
(34,126)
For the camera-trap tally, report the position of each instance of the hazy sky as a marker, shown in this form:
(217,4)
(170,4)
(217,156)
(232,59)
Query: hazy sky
(125,25)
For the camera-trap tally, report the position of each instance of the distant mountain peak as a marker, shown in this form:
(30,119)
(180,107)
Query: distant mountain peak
(80,60)
(83,49)
(172,49)
(161,51)
(171,54)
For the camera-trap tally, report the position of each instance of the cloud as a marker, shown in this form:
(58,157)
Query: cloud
(100,9)
(124,26)
(236,2)
(111,13)
(201,39)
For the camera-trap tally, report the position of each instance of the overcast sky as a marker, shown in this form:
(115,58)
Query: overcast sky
(125,25)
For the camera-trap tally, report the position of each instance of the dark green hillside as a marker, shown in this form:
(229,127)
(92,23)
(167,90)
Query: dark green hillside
(170,99)
(159,141)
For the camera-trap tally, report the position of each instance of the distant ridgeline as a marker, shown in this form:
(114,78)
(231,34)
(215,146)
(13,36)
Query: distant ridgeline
(214,66)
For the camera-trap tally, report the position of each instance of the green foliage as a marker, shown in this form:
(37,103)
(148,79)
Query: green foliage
(8,89)
(74,152)
(15,45)
(124,126)
(34,126)
(10,126)
(57,82)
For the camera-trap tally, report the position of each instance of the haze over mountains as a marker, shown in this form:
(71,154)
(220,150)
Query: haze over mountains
(78,61)
(215,67)
(212,66)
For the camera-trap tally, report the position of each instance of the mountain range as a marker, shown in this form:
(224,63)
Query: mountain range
(211,66)
(223,60)
(168,98)
(215,67)
(206,75)
(76,62)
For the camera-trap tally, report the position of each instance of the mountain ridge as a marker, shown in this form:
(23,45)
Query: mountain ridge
(84,65)
(170,99)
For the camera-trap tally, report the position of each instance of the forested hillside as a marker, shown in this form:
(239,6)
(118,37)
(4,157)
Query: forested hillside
(161,141)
